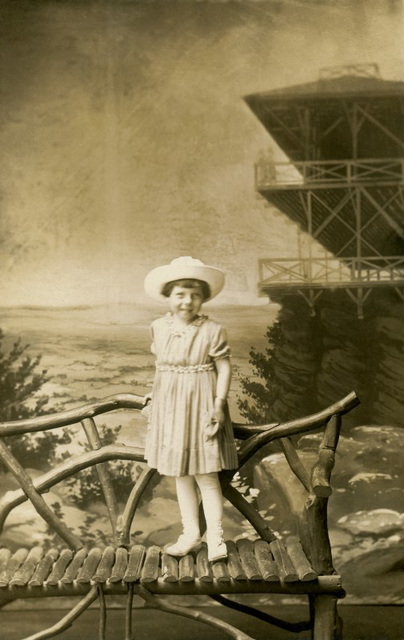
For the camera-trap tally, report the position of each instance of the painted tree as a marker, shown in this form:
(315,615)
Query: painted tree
(282,384)
(21,381)
(261,388)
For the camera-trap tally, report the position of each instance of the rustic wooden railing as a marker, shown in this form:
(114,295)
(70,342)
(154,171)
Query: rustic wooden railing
(301,564)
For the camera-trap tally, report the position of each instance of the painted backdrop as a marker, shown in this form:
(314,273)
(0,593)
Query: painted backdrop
(125,142)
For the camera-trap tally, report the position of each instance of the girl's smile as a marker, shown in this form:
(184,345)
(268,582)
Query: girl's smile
(185,302)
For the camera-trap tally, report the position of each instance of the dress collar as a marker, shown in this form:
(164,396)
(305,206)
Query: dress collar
(197,322)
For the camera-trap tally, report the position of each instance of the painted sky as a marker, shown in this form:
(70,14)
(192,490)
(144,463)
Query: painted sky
(125,141)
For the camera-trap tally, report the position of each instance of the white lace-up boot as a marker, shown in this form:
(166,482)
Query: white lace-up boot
(217,549)
(186,543)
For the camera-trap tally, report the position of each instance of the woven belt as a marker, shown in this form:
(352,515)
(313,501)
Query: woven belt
(192,368)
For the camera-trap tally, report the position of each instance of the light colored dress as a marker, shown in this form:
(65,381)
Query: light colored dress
(183,397)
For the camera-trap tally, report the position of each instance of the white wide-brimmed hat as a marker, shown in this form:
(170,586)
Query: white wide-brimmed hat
(184,268)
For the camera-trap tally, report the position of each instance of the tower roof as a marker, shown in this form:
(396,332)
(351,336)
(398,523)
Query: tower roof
(326,88)
(340,81)
(320,119)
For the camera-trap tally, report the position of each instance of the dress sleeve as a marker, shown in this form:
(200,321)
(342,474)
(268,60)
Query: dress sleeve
(219,347)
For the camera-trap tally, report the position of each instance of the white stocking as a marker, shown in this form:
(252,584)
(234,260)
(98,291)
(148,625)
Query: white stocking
(188,502)
(212,500)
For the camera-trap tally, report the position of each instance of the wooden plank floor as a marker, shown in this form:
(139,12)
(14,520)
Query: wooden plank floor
(247,561)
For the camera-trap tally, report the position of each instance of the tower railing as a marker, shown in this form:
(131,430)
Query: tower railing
(330,271)
(270,174)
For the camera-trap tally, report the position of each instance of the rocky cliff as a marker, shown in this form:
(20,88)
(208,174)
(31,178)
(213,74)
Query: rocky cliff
(326,356)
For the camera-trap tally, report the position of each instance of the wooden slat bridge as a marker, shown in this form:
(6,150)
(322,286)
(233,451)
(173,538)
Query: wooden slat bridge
(301,564)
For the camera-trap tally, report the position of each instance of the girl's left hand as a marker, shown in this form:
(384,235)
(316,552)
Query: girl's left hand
(217,421)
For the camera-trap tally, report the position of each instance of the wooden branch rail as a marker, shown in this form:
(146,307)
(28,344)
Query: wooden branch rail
(186,612)
(66,470)
(295,463)
(261,564)
(295,627)
(39,503)
(321,473)
(95,443)
(73,416)
(68,619)
(132,504)
(295,427)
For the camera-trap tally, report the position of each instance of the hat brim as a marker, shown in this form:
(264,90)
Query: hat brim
(156,280)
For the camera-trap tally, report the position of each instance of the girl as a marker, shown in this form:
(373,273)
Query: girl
(190,433)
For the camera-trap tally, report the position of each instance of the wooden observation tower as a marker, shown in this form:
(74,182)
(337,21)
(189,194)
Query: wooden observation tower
(343,183)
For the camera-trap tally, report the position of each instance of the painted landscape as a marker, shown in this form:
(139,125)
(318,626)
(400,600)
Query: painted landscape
(92,352)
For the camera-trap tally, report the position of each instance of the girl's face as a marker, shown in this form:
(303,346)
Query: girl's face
(185,302)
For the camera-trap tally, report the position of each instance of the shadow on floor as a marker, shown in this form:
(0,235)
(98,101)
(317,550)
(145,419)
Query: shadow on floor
(360,623)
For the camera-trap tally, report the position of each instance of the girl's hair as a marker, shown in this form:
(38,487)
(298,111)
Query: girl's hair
(187,284)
